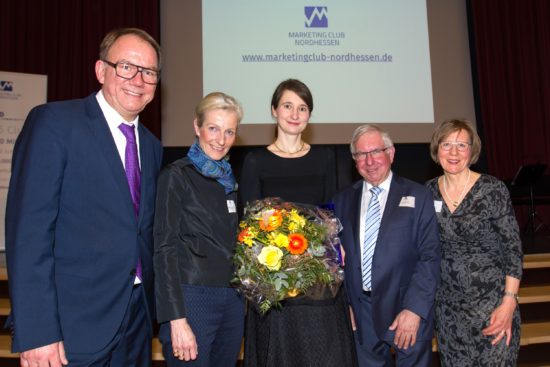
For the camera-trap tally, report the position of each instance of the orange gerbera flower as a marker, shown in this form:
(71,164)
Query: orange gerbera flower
(297,243)
(271,220)
(243,234)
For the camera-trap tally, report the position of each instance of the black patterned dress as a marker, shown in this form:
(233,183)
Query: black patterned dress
(480,247)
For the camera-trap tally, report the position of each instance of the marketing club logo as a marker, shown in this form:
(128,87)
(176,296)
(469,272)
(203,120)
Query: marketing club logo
(316,16)
(6,86)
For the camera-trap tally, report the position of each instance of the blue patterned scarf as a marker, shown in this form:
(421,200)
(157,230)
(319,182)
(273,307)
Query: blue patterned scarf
(220,170)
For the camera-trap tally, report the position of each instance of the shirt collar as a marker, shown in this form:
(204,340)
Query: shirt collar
(114,119)
(385,185)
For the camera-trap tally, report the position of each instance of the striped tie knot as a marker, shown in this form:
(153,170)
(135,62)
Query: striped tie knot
(375,190)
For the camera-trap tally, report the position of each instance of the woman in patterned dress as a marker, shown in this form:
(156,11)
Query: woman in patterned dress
(477,315)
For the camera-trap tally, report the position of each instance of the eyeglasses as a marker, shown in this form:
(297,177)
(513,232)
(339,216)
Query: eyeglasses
(126,70)
(460,146)
(375,153)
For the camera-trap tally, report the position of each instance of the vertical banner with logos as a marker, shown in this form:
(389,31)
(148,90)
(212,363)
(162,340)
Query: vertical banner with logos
(19,93)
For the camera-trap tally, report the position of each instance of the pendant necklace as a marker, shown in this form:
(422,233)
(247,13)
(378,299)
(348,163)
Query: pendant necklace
(284,151)
(457,201)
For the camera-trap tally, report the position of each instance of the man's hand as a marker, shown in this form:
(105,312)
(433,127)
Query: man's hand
(406,325)
(52,355)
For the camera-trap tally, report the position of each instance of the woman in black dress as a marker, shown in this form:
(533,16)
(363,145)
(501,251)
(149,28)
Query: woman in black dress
(201,315)
(477,316)
(304,332)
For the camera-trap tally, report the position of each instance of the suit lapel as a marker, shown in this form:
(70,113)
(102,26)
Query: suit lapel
(104,138)
(394,196)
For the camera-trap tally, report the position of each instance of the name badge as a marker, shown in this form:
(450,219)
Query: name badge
(438,204)
(231,207)
(407,201)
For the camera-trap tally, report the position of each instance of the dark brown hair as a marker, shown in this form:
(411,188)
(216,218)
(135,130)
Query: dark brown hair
(295,86)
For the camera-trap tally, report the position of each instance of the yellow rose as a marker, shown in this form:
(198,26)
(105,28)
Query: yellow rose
(271,257)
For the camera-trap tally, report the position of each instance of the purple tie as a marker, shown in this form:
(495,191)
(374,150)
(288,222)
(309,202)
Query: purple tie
(132,172)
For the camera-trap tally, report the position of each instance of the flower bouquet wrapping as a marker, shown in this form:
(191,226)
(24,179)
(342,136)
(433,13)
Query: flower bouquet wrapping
(285,250)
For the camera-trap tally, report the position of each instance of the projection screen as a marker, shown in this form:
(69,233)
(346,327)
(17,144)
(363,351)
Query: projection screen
(401,63)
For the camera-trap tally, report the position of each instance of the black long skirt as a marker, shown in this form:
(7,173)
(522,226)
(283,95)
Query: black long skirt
(303,333)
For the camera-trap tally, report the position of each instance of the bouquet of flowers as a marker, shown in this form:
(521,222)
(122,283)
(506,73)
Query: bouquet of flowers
(286,250)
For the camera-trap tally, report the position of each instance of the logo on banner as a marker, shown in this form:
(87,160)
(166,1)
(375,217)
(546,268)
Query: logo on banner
(316,16)
(6,86)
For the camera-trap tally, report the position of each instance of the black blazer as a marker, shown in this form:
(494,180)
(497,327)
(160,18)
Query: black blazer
(195,235)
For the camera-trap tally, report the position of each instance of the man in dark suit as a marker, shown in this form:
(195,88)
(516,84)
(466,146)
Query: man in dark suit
(79,218)
(390,236)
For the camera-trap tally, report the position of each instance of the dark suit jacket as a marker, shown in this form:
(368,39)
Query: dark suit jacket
(72,238)
(405,268)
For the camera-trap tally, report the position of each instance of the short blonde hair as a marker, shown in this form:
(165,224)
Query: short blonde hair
(217,101)
(447,128)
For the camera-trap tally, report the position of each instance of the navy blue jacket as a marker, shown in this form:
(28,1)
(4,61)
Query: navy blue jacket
(72,237)
(405,267)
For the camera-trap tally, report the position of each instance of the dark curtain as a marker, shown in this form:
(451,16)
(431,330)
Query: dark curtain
(60,38)
(511,58)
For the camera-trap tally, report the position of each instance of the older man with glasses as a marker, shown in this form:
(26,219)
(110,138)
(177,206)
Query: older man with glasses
(391,241)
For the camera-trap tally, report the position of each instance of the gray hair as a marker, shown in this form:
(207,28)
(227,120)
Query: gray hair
(369,128)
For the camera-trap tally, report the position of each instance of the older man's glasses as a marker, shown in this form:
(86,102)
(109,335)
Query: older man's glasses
(375,153)
(127,70)
(448,145)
